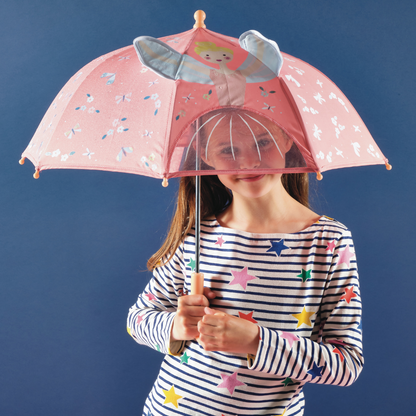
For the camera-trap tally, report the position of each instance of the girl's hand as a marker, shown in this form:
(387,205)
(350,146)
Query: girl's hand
(222,332)
(190,312)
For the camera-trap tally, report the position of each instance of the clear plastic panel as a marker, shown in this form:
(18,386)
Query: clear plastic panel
(231,140)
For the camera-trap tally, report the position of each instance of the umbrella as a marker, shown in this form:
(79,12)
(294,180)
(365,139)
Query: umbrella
(161,115)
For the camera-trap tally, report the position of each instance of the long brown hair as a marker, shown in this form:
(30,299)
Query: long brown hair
(215,197)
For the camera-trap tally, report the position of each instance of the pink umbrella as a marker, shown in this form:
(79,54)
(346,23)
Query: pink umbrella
(146,116)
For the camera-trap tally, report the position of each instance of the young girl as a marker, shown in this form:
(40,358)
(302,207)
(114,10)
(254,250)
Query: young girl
(281,304)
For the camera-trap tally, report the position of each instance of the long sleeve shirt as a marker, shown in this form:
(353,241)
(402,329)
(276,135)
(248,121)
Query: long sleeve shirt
(301,289)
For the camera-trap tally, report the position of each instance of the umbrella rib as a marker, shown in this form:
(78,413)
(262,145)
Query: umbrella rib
(231,136)
(254,137)
(212,131)
(267,132)
(193,137)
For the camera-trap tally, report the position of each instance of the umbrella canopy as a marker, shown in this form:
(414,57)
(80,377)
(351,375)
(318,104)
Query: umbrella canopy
(146,116)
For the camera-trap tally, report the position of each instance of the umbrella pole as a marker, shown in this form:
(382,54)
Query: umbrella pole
(197,278)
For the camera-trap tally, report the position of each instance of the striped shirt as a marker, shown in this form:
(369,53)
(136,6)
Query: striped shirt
(302,291)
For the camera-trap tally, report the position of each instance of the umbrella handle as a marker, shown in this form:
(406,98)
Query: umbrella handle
(197,284)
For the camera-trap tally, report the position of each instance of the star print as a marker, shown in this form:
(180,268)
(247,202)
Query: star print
(315,371)
(220,241)
(191,264)
(247,316)
(289,337)
(139,319)
(241,277)
(150,296)
(284,411)
(278,247)
(184,358)
(345,256)
(303,318)
(287,381)
(337,351)
(336,341)
(171,396)
(331,246)
(349,294)
(230,382)
(158,347)
(305,275)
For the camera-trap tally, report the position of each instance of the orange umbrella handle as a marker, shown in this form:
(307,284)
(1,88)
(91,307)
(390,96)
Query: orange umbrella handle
(197,284)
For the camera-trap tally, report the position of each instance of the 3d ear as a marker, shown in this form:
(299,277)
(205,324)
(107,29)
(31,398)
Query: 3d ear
(158,56)
(264,49)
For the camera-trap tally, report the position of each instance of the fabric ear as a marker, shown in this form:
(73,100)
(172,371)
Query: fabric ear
(264,49)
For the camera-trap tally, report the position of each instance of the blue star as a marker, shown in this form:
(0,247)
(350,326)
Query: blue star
(278,247)
(315,371)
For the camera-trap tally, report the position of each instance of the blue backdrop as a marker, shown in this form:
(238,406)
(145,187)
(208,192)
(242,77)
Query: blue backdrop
(74,244)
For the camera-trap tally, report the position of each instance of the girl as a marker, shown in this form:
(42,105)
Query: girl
(281,305)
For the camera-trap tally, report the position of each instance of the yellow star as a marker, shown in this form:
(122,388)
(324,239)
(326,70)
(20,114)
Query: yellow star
(284,411)
(303,317)
(171,397)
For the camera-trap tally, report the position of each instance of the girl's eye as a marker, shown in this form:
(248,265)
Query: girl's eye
(264,142)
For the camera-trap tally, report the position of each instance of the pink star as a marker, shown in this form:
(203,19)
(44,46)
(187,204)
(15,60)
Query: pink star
(139,319)
(349,294)
(345,256)
(220,241)
(331,246)
(150,296)
(241,278)
(230,382)
(289,337)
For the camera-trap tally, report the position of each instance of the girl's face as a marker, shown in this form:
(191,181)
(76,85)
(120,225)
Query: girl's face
(217,57)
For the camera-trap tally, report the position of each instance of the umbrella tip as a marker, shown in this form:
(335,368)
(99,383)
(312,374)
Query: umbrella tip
(165,182)
(36,174)
(199,17)
(319,176)
(22,160)
(388,166)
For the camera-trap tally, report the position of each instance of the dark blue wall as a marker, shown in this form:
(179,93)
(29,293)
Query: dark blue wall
(74,243)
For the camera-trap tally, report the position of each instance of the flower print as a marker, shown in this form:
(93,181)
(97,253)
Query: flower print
(332,95)
(158,103)
(154,167)
(182,113)
(316,132)
(83,108)
(116,122)
(340,101)
(334,120)
(143,159)
(56,153)
(337,132)
(318,97)
(91,110)
(305,109)
(144,69)
(329,157)
(90,98)
(154,96)
(110,132)
(206,96)
(152,157)
(120,129)
(313,111)
(64,158)
(264,93)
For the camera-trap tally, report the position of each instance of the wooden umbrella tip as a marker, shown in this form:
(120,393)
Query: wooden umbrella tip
(165,182)
(388,166)
(22,160)
(319,176)
(199,17)
(36,174)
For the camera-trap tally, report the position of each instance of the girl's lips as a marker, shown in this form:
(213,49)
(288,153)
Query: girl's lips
(251,178)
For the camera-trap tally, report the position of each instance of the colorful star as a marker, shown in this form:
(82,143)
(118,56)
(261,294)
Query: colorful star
(331,246)
(220,241)
(171,396)
(349,294)
(305,275)
(345,256)
(241,277)
(184,358)
(315,371)
(278,247)
(158,347)
(303,318)
(289,337)
(284,411)
(150,296)
(230,382)
(247,316)
(139,319)
(191,264)
(337,351)
(287,381)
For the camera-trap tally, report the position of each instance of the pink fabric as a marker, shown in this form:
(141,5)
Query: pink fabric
(230,88)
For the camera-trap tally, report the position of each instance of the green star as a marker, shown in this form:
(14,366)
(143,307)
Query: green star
(192,264)
(305,275)
(158,347)
(184,358)
(287,381)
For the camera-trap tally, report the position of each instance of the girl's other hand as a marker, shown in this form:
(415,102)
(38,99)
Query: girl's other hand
(191,309)
(222,332)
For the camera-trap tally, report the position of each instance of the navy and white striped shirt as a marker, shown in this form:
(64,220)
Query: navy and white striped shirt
(301,289)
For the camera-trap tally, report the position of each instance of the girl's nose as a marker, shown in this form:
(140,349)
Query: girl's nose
(249,160)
